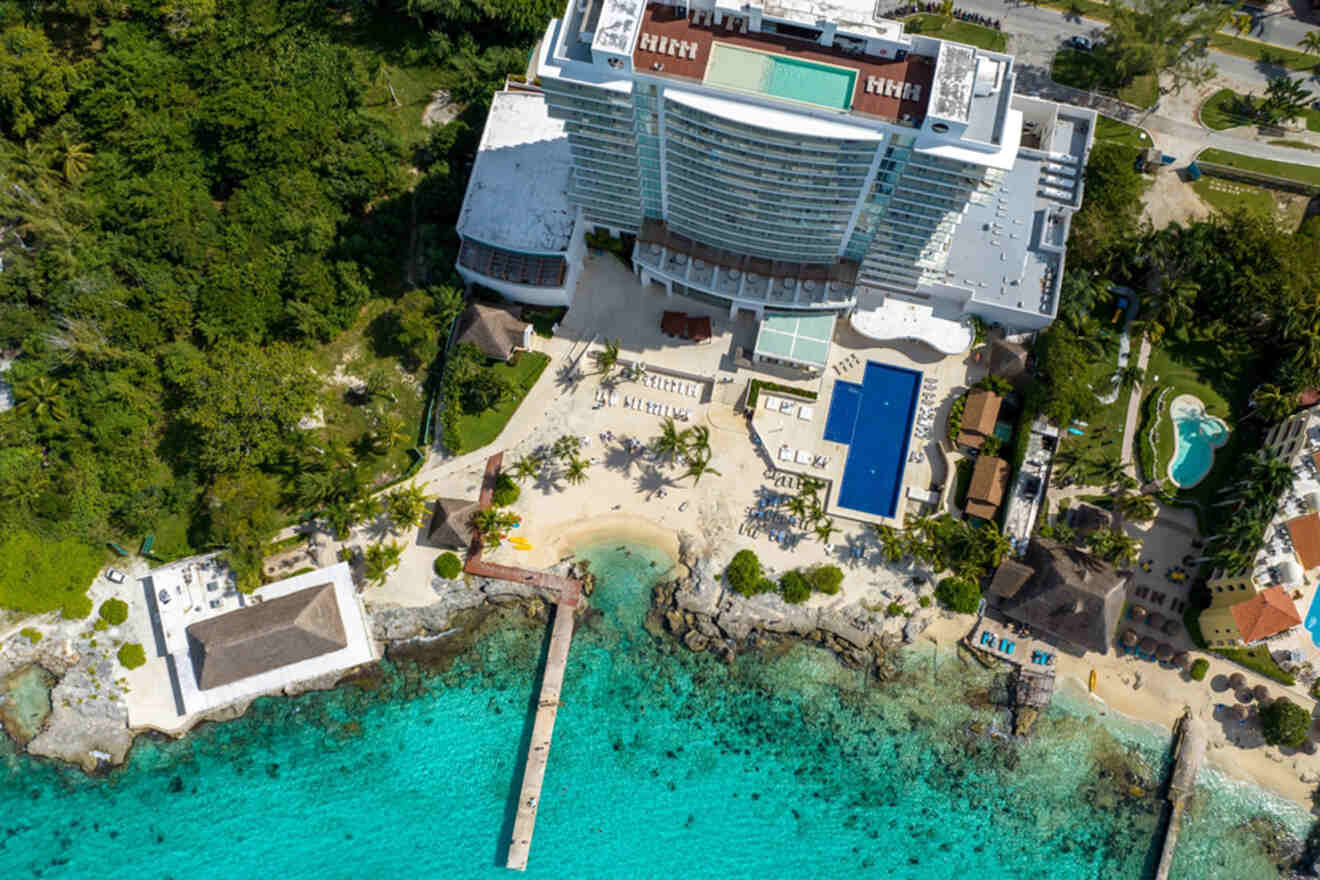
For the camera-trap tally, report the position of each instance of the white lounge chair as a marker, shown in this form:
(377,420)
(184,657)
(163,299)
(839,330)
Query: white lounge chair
(785,454)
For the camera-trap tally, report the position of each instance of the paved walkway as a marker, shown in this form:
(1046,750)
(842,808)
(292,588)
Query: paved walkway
(1134,410)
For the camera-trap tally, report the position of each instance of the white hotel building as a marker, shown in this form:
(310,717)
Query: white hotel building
(783,155)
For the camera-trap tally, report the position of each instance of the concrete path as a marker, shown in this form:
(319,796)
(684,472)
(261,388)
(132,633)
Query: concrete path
(1134,410)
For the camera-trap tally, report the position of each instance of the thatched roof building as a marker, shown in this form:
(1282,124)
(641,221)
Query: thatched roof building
(987,488)
(266,636)
(980,413)
(1072,596)
(450,522)
(496,332)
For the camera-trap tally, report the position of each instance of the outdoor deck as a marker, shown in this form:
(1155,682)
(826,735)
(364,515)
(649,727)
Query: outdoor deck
(568,592)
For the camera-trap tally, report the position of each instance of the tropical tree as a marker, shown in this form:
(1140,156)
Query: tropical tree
(891,542)
(608,357)
(567,446)
(1310,43)
(1284,99)
(406,507)
(1114,545)
(823,529)
(379,559)
(696,467)
(1108,470)
(696,441)
(365,508)
(1129,377)
(525,468)
(797,505)
(576,470)
(42,398)
(1272,403)
(74,157)
(671,442)
(315,487)
(339,518)
(492,523)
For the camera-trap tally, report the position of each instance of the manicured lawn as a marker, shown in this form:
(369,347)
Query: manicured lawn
(957,31)
(475,431)
(1089,71)
(1287,58)
(1230,195)
(1226,109)
(1303,173)
(1115,132)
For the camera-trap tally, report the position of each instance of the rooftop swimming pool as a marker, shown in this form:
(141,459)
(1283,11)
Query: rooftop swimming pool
(874,419)
(810,82)
(1197,435)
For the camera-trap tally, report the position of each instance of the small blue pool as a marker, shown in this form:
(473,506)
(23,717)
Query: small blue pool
(875,420)
(1197,435)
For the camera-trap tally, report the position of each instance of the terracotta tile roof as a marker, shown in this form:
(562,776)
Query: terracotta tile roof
(1265,614)
(979,416)
(1305,532)
(989,482)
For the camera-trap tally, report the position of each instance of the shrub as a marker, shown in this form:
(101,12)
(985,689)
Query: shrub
(506,491)
(131,655)
(1199,668)
(448,566)
(827,579)
(743,573)
(991,446)
(960,594)
(101,625)
(924,601)
(793,586)
(895,609)
(39,574)
(114,611)
(955,420)
(32,635)
(1284,723)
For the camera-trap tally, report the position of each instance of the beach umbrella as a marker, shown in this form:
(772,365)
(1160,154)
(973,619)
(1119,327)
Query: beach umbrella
(1131,640)
(1154,621)
(1164,652)
(1237,681)
(1240,713)
(1181,660)
(1170,627)
(1245,695)
(1148,645)
(1260,692)
(1138,613)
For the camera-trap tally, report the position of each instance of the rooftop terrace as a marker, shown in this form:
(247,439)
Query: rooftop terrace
(887,88)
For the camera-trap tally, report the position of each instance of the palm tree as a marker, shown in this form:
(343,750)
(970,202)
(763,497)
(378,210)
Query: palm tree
(525,468)
(608,357)
(316,487)
(567,446)
(339,518)
(1129,377)
(672,442)
(407,507)
(995,545)
(1310,43)
(696,441)
(824,529)
(1108,470)
(891,542)
(1271,402)
(74,157)
(380,558)
(1128,505)
(697,467)
(797,505)
(576,472)
(41,398)
(365,508)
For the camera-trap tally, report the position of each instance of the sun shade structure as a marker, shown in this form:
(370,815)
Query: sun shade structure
(266,636)
(450,522)
(1072,596)
(496,332)
(989,483)
(796,339)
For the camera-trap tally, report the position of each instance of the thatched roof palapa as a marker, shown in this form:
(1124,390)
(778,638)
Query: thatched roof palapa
(1237,681)
(1072,596)
(1182,660)
(1148,645)
(1139,613)
(1131,639)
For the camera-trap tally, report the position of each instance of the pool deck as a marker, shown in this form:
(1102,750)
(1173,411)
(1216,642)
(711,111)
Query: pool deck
(663,21)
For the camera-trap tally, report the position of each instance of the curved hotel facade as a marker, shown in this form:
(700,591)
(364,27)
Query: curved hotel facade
(802,155)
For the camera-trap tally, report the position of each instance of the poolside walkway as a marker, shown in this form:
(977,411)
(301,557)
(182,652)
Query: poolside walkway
(1134,410)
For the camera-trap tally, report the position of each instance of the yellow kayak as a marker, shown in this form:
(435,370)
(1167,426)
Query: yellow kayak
(1092,681)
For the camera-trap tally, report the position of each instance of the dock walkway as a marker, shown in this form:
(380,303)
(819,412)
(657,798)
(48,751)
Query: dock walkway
(1190,753)
(567,594)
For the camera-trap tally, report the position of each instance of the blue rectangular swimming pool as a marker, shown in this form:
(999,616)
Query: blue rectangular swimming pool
(875,420)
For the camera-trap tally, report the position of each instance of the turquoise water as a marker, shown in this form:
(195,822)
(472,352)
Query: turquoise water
(1313,619)
(1197,436)
(792,78)
(664,764)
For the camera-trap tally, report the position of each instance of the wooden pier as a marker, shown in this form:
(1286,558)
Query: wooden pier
(1190,753)
(567,594)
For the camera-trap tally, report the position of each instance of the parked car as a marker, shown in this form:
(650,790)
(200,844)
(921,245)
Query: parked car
(114,575)
(1086,44)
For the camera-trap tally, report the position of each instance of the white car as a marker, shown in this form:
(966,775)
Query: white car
(114,575)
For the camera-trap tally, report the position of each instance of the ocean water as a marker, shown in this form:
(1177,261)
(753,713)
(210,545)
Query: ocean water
(664,764)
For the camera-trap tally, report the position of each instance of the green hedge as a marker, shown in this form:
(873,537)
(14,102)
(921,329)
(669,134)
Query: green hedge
(755,387)
(114,611)
(955,419)
(1199,668)
(447,566)
(32,635)
(131,655)
(1257,660)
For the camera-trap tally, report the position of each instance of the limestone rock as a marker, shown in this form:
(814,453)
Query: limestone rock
(707,628)
(1024,719)
(701,593)
(917,624)
(735,626)
(776,615)
(674,620)
(695,641)
(839,625)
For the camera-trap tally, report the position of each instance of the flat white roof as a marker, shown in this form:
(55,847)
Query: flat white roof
(517,196)
(895,318)
(773,120)
(616,29)
(852,16)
